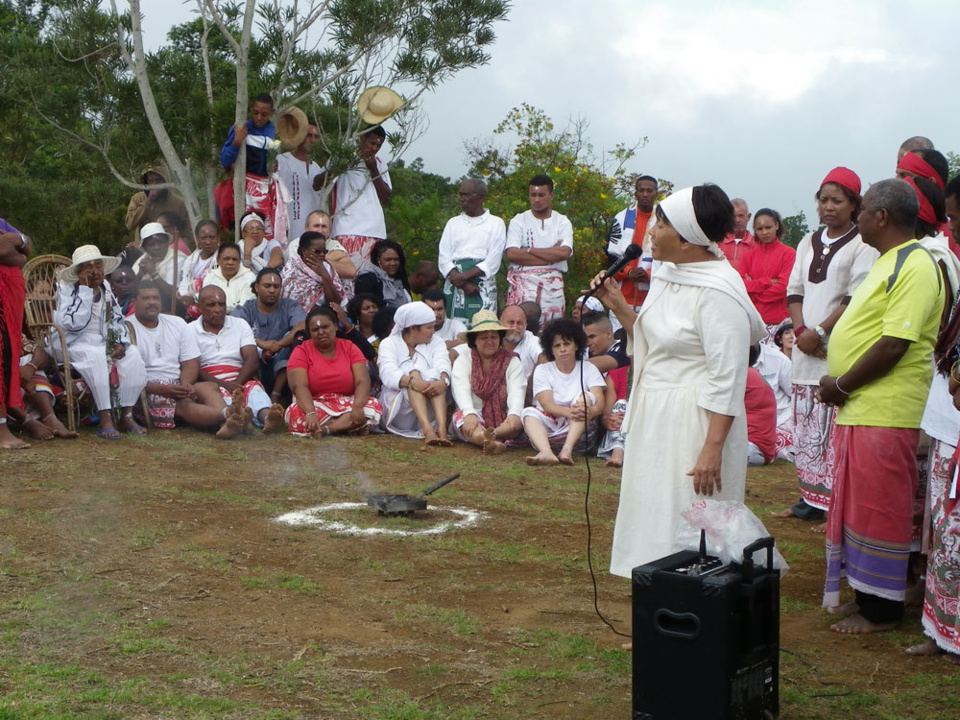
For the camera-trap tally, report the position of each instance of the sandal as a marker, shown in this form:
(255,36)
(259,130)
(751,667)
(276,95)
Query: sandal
(105,434)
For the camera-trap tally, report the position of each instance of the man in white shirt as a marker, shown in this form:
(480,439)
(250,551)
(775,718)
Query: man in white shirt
(539,243)
(447,329)
(470,252)
(172,358)
(229,358)
(358,199)
(520,340)
(298,171)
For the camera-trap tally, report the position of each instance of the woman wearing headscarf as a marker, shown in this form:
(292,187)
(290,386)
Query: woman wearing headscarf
(488,386)
(686,432)
(258,251)
(831,263)
(415,371)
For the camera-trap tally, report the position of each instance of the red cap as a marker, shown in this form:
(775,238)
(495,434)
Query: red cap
(845,177)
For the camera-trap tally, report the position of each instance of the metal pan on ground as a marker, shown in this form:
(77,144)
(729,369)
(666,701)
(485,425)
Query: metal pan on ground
(405,504)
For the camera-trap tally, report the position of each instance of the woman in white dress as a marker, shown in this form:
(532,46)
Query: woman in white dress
(415,371)
(686,432)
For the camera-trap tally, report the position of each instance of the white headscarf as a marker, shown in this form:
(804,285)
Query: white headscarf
(678,209)
(251,217)
(410,314)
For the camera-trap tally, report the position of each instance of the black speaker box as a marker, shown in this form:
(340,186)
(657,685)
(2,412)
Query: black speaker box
(706,638)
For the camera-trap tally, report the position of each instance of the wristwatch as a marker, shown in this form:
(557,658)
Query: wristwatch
(820,331)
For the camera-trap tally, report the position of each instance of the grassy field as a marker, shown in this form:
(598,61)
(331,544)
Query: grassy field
(151,579)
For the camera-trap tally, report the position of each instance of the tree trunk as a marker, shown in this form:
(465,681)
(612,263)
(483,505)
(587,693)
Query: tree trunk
(240,117)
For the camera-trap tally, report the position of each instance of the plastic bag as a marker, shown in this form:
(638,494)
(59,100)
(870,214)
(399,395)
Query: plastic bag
(730,526)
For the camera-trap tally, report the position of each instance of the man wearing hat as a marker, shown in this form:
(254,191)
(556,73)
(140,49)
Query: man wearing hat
(298,170)
(361,192)
(161,262)
(97,338)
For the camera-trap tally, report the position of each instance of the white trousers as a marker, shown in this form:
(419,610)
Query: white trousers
(89,359)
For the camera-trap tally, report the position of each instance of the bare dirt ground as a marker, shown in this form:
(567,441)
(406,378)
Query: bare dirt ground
(150,578)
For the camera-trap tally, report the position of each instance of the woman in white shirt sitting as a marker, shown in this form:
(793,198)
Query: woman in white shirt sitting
(258,252)
(231,276)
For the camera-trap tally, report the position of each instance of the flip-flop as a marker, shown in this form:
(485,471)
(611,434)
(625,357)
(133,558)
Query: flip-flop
(137,430)
(105,434)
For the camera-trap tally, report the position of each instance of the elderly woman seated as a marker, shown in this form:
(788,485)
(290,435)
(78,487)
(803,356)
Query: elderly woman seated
(488,386)
(562,407)
(330,383)
(231,276)
(258,252)
(415,372)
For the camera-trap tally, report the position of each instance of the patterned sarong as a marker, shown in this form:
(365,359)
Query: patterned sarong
(870,515)
(264,196)
(543,286)
(227,373)
(358,247)
(462,306)
(813,425)
(329,407)
(162,408)
(941,607)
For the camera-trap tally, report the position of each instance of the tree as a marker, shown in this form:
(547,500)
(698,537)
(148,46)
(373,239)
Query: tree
(794,228)
(130,106)
(422,202)
(586,191)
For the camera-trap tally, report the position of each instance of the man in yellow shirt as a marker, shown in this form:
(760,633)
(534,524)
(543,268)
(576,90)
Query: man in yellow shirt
(880,367)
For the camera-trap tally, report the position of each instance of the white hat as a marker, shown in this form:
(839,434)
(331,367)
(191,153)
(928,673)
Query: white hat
(377,104)
(153,228)
(84,254)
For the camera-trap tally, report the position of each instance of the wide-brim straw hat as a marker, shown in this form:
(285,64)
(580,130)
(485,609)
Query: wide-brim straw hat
(378,103)
(482,321)
(88,253)
(292,127)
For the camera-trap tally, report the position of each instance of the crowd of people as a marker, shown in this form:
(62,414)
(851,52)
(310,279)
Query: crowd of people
(715,349)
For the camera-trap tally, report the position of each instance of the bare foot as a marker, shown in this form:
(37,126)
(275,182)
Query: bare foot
(444,442)
(230,428)
(788,513)
(542,459)
(274,421)
(493,447)
(616,459)
(819,529)
(37,430)
(859,625)
(915,593)
(627,646)
(9,441)
(59,429)
(846,609)
(247,415)
(565,459)
(431,441)
(924,649)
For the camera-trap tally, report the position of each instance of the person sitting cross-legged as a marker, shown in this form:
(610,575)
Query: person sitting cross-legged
(172,358)
(228,357)
(562,410)
(39,419)
(488,386)
(330,383)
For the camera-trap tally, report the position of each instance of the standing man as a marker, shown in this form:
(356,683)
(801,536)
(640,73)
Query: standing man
(471,248)
(879,372)
(14,249)
(359,197)
(630,227)
(740,241)
(298,172)
(539,243)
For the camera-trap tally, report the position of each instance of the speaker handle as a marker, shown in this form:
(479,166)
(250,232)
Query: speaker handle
(748,551)
(678,621)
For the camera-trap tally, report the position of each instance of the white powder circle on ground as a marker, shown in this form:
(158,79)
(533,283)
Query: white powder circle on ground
(313,517)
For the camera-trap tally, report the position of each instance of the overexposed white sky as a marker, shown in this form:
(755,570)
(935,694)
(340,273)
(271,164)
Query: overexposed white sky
(763,98)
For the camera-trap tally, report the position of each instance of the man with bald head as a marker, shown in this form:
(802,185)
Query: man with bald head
(470,251)
(738,243)
(229,358)
(518,339)
(879,373)
(917,142)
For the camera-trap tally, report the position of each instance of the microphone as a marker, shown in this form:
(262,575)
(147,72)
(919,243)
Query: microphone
(629,255)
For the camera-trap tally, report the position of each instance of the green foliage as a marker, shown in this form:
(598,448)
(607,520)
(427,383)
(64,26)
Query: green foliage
(953,164)
(422,202)
(794,228)
(587,191)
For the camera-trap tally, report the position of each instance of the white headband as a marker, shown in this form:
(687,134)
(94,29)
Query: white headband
(249,219)
(410,314)
(678,209)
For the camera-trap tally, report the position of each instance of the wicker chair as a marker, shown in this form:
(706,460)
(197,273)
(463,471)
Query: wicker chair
(40,276)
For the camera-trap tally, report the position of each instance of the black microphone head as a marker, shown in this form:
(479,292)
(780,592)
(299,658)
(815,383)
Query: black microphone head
(632,252)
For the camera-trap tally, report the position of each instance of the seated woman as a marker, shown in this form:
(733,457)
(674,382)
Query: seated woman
(198,264)
(361,309)
(415,372)
(258,252)
(561,410)
(330,383)
(234,279)
(39,397)
(308,278)
(275,322)
(488,386)
(387,279)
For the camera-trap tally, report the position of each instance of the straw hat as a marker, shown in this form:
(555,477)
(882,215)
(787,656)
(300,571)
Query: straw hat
(88,253)
(482,321)
(377,104)
(292,127)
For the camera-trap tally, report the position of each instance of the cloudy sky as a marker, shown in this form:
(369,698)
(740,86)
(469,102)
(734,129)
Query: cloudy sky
(762,98)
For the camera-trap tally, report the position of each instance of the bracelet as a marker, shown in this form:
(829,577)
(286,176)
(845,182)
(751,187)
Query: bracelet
(836,381)
(953,372)
(798,331)
(312,412)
